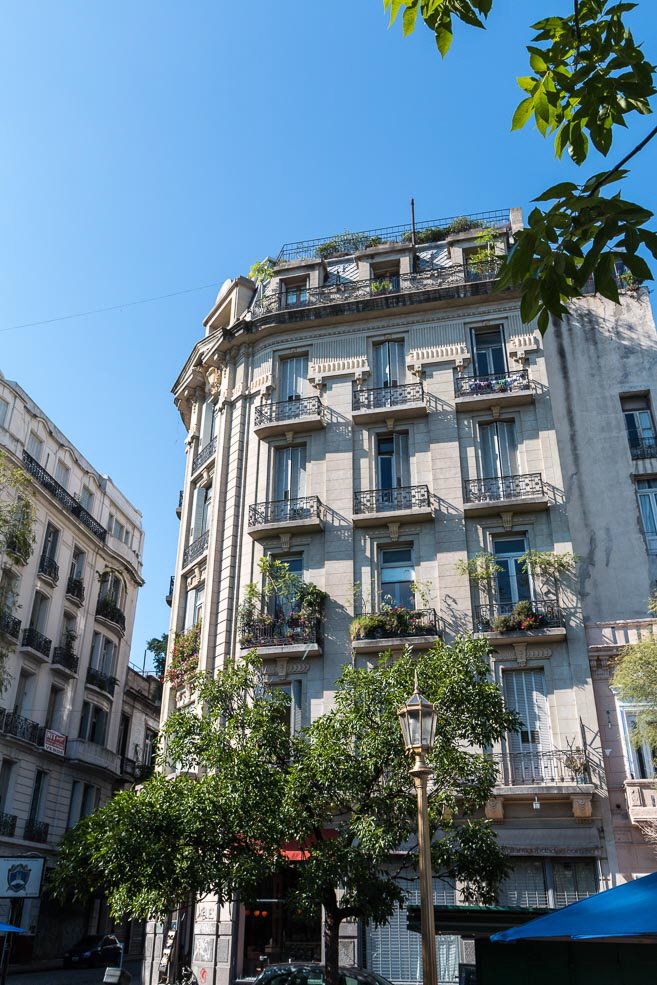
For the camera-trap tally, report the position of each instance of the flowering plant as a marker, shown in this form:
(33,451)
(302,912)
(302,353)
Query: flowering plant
(184,657)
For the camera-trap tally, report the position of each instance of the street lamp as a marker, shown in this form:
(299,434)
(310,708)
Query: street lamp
(417,719)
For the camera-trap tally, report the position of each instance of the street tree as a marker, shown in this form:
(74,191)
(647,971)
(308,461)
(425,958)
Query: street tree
(245,786)
(635,681)
(587,77)
(158,647)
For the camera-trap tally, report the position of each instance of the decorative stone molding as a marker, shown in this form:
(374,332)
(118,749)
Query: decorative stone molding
(283,667)
(521,653)
(521,345)
(456,353)
(214,378)
(495,411)
(506,517)
(285,542)
(495,809)
(582,807)
(358,365)
(393,530)
(537,654)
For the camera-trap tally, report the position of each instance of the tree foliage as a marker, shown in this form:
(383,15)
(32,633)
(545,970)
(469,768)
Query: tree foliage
(17,518)
(587,76)
(635,679)
(158,647)
(340,789)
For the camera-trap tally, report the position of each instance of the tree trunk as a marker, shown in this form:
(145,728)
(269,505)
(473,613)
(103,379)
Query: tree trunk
(332,922)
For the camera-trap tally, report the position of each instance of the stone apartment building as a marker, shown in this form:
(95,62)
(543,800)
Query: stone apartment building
(373,414)
(76,722)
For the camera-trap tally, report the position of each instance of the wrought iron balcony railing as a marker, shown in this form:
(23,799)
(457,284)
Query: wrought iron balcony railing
(65,657)
(504,487)
(64,497)
(196,548)
(36,641)
(288,410)
(36,831)
(204,455)
(387,500)
(263,630)
(546,614)
(396,622)
(107,608)
(479,386)
(49,567)
(546,899)
(169,597)
(286,511)
(7,824)
(388,396)
(10,625)
(542,768)
(75,588)
(105,682)
(643,448)
(453,280)
(19,727)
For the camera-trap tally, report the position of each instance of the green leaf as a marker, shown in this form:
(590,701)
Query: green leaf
(537,61)
(394,6)
(523,111)
(543,321)
(561,190)
(409,18)
(444,38)
(637,265)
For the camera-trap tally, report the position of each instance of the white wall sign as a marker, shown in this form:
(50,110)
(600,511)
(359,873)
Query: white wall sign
(21,877)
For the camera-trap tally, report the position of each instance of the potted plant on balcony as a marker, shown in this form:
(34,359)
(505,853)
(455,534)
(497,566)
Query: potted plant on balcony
(523,617)
(576,763)
(296,603)
(381,286)
(184,658)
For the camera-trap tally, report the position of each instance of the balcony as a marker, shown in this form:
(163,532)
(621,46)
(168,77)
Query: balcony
(395,628)
(93,754)
(204,456)
(304,414)
(65,658)
(48,568)
(107,609)
(133,770)
(501,624)
(10,626)
(288,635)
(543,769)
(37,642)
(517,493)
(75,590)
(511,389)
(373,507)
(19,727)
(641,796)
(101,680)
(169,596)
(196,549)
(62,496)
(546,899)
(180,504)
(382,403)
(36,831)
(7,825)
(286,515)
(643,448)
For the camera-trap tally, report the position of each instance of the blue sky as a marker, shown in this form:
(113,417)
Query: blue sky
(153,146)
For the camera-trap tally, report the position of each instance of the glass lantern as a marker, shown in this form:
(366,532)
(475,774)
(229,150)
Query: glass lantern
(417,719)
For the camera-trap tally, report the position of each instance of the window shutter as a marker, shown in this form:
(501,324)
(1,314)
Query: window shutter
(524,691)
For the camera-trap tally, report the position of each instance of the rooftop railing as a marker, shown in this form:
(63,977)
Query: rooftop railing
(388,396)
(503,487)
(64,497)
(288,410)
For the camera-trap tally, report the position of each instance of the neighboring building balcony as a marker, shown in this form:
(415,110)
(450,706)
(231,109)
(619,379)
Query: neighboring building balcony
(169,596)
(101,680)
(643,448)
(196,549)
(180,504)
(519,493)
(286,515)
(93,755)
(65,658)
(10,626)
(547,899)
(289,635)
(36,642)
(75,590)
(206,453)
(131,769)
(381,403)
(405,503)
(19,727)
(499,389)
(64,497)
(35,831)
(502,624)
(48,568)
(7,825)
(641,796)
(394,628)
(109,611)
(304,414)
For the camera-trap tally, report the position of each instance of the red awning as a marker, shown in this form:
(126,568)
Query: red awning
(295,851)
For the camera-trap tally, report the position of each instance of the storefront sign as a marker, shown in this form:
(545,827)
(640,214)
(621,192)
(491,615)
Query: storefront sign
(54,742)
(21,877)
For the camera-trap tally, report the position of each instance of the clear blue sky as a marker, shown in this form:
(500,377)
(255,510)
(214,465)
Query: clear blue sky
(159,145)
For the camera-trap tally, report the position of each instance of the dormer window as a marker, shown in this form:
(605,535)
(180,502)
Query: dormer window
(384,277)
(295,292)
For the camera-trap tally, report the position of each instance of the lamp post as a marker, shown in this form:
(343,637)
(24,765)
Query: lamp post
(417,719)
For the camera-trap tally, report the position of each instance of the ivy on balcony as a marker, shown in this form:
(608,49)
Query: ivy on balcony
(184,658)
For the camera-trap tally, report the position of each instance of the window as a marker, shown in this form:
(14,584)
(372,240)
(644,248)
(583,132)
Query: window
(38,789)
(111,587)
(295,292)
(290,472)
(35,446)
(208,423)
(149,747)
(280,606)
(103,654)
(4,408)
(124,732)
(524,692)
(489,355)
(201,514)
(87,499)
(389,364)
(397,577)
(62,474)
(639,754)
(69,631)
(55,709)
(393,465)
(498,449)
(50,542)
(513,584)
(39,616)
(9,582)
(194,606)
(6,776)
(93,724)
(549,882)
(24,693)
(292,714)
(77,564)
(640,426)
(384,277)
(293,381)
(90,799)
(647,492)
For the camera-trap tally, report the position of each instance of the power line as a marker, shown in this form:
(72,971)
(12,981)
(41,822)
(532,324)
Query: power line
(112,307)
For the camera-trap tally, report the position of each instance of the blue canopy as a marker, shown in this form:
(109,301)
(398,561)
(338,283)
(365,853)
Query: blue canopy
(6,928)
(629,910)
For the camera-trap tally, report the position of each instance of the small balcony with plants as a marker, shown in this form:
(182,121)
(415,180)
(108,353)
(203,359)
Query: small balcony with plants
(518,493)
(284,617)
(394,627)
(401,504)
(108,610)
(299,414)
(36,643)
(481,392)
(304,514)
(75,590)
(376,405)
(182,666)
(103,681)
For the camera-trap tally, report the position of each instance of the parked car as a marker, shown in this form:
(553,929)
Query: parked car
(93,950)
(309,973)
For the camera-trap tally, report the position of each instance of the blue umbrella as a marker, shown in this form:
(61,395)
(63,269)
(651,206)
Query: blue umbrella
(628,910)
(6,928)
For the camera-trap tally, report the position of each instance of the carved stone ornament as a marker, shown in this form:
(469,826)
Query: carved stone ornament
(393,530)
(582,807)
(285,542)
(495,809)
(521,653)
(507,519)
(214,377)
